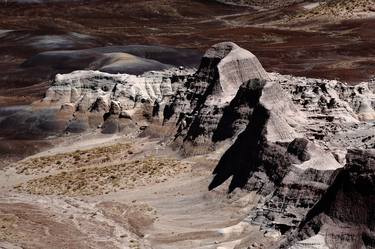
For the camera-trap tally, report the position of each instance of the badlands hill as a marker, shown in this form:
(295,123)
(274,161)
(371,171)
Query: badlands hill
(277,144)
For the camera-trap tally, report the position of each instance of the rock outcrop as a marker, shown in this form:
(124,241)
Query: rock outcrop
(225,66)
(273,157)
(112,102)
(204,98)
(294,141)
(344,216)
(338,116)
(288,134)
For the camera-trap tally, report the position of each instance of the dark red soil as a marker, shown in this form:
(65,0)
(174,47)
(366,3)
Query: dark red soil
(344,51)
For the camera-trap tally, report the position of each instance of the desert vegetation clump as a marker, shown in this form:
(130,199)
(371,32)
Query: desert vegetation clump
(76,159)
(105,179)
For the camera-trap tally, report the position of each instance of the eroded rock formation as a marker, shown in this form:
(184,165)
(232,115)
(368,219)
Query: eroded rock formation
(344,215)
(113,102)
(203,103)
(283,137)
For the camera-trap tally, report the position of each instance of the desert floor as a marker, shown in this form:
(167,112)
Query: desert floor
(115,193)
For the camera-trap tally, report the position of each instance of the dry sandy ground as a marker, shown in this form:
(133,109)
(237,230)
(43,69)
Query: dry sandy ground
(120,192)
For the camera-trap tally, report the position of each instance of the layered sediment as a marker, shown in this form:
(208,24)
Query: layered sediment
(284,138)
(344,214)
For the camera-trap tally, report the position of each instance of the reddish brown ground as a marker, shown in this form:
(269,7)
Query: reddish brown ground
(342,50)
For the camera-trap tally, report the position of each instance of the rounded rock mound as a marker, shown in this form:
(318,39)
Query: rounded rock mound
(229,66)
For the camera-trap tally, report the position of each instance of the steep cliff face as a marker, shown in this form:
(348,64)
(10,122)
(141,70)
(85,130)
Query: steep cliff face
(213,91)
(344,216)
(267,125)
(225,66)
(272,159)
(295,139)
(267,122)
(288,137)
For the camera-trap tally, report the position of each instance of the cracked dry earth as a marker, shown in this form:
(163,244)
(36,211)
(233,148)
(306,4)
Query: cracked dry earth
(119,195)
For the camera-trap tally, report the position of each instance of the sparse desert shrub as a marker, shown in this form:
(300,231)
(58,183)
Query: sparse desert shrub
(74,159)
(99,180)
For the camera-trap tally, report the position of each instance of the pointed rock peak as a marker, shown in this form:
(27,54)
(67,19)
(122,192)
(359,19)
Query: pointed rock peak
(221,50)
(227,66)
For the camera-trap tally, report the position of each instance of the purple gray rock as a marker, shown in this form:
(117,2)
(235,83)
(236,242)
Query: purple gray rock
(344,215)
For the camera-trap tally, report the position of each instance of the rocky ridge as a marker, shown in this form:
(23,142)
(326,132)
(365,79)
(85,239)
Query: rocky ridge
(113,102)
(344,214)
(287,137)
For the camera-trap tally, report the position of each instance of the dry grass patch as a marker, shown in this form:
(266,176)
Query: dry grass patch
(102,180)
(73,160)
(342,8)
